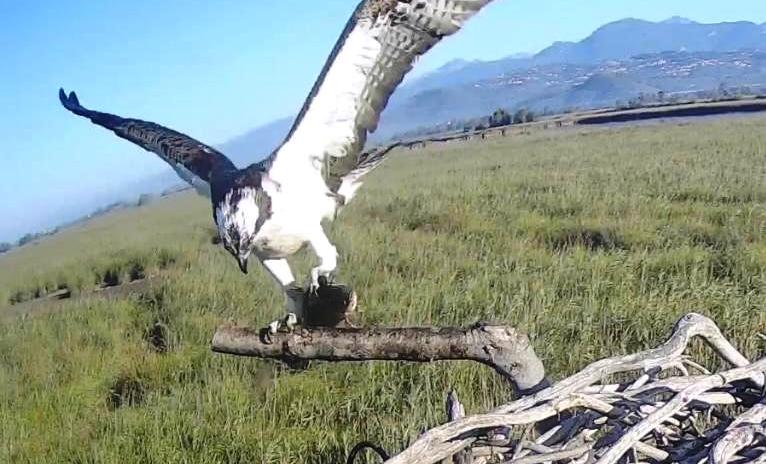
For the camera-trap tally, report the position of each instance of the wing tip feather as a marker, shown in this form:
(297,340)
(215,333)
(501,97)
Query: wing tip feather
(71,102)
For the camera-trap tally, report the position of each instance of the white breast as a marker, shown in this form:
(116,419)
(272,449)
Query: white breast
(297,210)
(278,240)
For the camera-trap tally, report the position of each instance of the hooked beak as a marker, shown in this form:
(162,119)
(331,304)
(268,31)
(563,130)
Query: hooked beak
(242,260)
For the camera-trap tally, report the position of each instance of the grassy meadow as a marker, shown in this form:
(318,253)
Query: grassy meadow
(594,241)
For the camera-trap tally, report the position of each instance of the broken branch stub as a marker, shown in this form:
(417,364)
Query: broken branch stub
(505,349)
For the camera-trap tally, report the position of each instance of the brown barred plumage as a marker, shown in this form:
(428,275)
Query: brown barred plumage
(372,9)
(173,147)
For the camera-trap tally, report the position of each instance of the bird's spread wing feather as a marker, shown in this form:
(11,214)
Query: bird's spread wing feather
(347,182)
(376,49)
(193,161)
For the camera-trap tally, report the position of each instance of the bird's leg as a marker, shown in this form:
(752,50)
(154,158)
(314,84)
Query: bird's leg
(280,271)
(328,258)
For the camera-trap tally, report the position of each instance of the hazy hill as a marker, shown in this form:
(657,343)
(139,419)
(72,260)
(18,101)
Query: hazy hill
(558,87)
(630,37)
(618,40)
(257,143)
(459,72)
(600,89)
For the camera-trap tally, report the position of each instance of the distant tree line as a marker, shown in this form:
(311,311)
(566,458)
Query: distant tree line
(505,117)
(501,117)
(722,93)
(25,239)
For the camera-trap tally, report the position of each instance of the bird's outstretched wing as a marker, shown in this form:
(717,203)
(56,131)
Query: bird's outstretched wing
(193,161)
(376,49)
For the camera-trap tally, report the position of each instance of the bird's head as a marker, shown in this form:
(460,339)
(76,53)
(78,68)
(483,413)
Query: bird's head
(241,205)
(238,217)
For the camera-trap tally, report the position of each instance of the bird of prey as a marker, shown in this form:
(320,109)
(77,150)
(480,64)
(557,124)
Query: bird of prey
(272,208)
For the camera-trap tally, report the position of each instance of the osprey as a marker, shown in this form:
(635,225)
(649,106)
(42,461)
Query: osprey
(271,209)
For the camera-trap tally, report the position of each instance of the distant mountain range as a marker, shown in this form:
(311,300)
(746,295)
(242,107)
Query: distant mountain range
(462,88)
(617,62)
(563,87)
(614,41)
(631,37)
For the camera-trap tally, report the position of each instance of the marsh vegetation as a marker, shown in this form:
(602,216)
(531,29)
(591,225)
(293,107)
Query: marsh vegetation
(594,241)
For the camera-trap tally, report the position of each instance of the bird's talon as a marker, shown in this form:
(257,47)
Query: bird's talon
(326,280)
(286,324)
(290,322)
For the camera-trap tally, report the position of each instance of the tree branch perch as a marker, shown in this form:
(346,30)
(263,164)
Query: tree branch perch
(505,349)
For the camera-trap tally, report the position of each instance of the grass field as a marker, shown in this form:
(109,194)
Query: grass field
(594,241)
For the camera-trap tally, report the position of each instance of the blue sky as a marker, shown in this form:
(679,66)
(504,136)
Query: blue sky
(212,69)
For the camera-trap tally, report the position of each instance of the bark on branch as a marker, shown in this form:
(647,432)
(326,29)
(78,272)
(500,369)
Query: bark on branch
(505,349)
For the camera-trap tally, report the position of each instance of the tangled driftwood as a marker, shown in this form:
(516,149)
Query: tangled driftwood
(665,407)
(664,414)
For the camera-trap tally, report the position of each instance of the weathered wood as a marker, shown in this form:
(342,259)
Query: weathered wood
(688,327)
(555,456)
(683,398)
(741,433)
(648,416)
(456,411)
(505,349)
